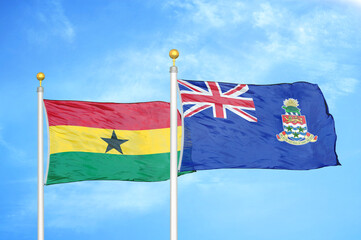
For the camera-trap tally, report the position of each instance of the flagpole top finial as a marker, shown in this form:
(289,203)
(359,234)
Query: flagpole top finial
(173,54)
(40,76)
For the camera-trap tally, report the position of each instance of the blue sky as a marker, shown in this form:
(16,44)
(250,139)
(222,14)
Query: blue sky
(118,51)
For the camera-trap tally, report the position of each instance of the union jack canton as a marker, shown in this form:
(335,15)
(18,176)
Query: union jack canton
(212,96)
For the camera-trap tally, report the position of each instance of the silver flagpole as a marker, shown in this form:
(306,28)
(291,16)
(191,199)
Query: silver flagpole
(173,148)
(40,76)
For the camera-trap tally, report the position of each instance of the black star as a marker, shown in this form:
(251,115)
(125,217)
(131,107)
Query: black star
(114,142)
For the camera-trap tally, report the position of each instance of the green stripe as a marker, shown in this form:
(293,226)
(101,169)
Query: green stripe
(81,166)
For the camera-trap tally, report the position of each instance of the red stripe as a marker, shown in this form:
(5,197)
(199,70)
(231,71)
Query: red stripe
(186,97)
(197,110)
(188,86)
(238,88)
(218,106)
(246,114)
(121,116)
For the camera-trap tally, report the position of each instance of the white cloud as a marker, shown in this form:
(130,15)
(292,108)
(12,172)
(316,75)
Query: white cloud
(135,76)
(86,204)
(348,85)
(214,186)
(356,3)
(53,22)
(131,75)
(267,16)
(139,75)
(290,38)
(83,206)
(13,152)
(210,13)
(338,87)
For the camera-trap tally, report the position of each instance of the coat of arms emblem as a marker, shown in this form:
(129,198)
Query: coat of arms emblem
(295,129)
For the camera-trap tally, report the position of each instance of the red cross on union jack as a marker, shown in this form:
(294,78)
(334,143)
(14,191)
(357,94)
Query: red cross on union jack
(214,98)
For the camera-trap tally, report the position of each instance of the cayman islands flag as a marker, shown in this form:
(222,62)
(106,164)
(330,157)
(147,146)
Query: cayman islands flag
(280,126)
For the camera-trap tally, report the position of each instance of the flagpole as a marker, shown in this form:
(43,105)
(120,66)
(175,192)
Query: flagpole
(40,76)
(173,148)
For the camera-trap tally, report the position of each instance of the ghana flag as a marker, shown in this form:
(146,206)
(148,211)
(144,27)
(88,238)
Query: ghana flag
(108,141)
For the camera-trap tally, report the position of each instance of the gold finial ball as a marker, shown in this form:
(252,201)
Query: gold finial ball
(40,76)
(173,53)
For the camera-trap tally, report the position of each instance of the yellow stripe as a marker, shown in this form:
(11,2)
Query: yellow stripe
(85,139)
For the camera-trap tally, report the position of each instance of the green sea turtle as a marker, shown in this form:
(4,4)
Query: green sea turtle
(291,109)
(291,106)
